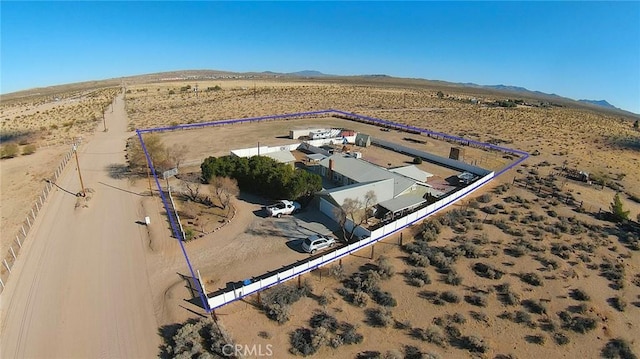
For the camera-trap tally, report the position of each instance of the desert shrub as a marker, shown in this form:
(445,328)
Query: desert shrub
(535,339)
(487,271)
(417,260)
(417,160)
(469,250)
(379,317)
(29,149)
(516,251)
(531,278)
(360,299)
(450,297)
(301,342)
(477,300)
(474,344)
(614,272)
(337,271)
(418,277)
(366,281)
(412,352)
(485,198)
(195,338)
(618,303)
(479,316)
(384,299)
(369,354)
(577,323)
(509,298)
(534,306)
(433,334)
(617,348)
(579,294)
(9,150)
(561,250)
(385,269)
(326,299)
(490,209)
(348,334)
(452,278)
(560,338)
(324,320)
(277,301)
(523,317)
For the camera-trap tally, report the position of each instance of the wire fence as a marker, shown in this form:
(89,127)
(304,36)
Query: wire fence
(12,254)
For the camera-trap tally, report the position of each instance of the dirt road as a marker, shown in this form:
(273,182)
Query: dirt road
(80,289)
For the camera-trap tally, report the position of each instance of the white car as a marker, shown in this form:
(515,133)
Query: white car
(316,242)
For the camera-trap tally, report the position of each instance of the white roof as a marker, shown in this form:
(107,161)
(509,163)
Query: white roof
(413,172)
(383,190)
(281,156)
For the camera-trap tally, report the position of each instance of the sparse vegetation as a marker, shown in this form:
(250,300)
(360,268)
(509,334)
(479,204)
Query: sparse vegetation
(618,348)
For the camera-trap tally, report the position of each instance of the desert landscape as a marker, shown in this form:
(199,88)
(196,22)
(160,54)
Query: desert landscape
(531,265)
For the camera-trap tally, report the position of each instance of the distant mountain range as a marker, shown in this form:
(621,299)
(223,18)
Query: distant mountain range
(507,88)
(602,103)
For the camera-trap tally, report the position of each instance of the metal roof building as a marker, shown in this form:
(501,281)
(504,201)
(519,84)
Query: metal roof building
(413,172)
(349,170)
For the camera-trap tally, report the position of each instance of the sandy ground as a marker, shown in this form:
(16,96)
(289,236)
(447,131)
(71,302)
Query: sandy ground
(81,287)
(106,283)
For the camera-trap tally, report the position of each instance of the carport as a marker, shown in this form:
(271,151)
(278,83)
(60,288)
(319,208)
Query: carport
(401,205)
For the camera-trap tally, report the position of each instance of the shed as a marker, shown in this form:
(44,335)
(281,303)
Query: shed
(282,156)
(363,140)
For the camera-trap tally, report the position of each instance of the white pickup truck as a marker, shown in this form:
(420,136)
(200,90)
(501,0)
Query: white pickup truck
(282,207)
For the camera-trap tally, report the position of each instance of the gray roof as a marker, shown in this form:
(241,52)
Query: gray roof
(412,172)
(399,203)
(281,156)
(383,190)
(363,171)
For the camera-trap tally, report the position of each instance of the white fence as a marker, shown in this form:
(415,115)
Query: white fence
(14,249)
(377,235)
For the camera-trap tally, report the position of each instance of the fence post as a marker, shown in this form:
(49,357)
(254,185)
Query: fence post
(7,265)
(33,213)
(18,240)
(24,233)
(12,252)
(28,221)
(37,208)
(400,239)
(372,250)
(1,282)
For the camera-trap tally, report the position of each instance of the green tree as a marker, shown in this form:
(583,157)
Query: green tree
(617,210)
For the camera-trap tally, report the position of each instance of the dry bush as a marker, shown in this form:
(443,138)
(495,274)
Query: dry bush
(417,277)
(618,348)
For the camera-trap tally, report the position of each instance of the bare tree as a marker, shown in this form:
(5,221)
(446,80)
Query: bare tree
(370,200)
(191,191)
(225,188)
(356,211)
(176,154)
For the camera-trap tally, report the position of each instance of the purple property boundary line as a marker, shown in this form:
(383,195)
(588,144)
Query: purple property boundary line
(178,235)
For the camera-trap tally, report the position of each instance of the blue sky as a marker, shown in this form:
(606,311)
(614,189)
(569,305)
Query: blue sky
(574,49)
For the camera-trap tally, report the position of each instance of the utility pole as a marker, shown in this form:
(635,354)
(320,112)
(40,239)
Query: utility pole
(75,150)
(104,122)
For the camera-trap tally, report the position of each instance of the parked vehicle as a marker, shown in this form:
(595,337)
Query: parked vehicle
(282,207)
(317,242)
